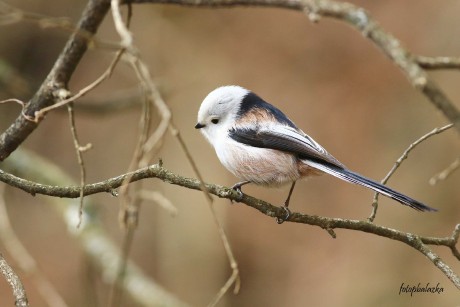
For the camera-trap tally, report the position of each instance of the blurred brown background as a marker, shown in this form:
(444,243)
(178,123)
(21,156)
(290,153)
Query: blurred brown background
(330,80)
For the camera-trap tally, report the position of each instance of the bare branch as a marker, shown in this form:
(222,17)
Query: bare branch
(157,171)
(24,259)
(57,79)
(160,199)
(39,115)
(442,62)
(448,241)
(400,160)
(235,276)
(111,103)
(154,95)
(13,279)
(412,147)
(129,209)
(21,103)
(78,150)
(10,15)
(446,173)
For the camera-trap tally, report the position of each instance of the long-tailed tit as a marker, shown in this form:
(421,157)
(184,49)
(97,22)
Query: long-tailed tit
(259,144)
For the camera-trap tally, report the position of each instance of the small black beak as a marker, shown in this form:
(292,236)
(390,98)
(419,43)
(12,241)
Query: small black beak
(199,126)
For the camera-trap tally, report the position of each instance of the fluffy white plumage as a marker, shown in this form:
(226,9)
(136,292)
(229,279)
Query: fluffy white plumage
(222,104)
(254,164)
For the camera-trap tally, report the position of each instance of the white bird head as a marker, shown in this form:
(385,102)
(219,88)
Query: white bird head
(218,111)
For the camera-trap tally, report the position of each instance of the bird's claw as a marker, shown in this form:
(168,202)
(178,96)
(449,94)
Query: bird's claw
(281,220)
(237,189)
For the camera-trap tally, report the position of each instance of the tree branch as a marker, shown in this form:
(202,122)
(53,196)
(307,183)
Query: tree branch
(327,223)
(23,259)
(441,62)
(13,279)
(400,160)
(58,77)
(446,172)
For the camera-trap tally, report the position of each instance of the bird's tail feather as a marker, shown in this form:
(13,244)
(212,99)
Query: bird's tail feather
(355,178)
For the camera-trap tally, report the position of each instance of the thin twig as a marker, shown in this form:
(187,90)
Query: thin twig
(112,103)
(398,162)
(24,259)
(441,62)
(159,199)
(129,209)
(10,15)
(21,103)
(57,78)
(19,293)
(235,276)
(38,115)
(445,173)
(78,150)
(146,80)
(161,106)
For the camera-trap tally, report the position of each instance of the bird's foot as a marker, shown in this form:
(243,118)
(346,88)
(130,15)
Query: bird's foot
(281,220)
(237,188)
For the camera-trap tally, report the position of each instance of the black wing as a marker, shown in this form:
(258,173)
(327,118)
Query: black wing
(284,138)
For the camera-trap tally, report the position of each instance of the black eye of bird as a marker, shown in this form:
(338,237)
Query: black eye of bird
(215,120)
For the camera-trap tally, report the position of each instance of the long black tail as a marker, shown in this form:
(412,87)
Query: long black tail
(352,177)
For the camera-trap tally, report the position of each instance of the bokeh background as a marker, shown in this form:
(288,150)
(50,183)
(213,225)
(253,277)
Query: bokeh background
(327,77)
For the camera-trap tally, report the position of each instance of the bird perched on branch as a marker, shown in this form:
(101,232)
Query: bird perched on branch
(258,144)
